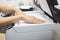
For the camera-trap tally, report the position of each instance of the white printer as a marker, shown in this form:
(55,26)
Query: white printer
(24,31)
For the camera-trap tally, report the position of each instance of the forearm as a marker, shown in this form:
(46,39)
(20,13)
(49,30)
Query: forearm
(11,19)
(8,9)
(5,8)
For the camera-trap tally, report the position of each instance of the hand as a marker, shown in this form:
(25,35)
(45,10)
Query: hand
(32,19)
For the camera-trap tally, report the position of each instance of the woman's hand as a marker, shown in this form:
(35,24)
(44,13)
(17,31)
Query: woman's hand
(32,19)
(27,18)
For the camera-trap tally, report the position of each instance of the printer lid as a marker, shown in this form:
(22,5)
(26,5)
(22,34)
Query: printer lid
(54,11)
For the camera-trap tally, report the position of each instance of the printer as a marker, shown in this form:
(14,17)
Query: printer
(45,31)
